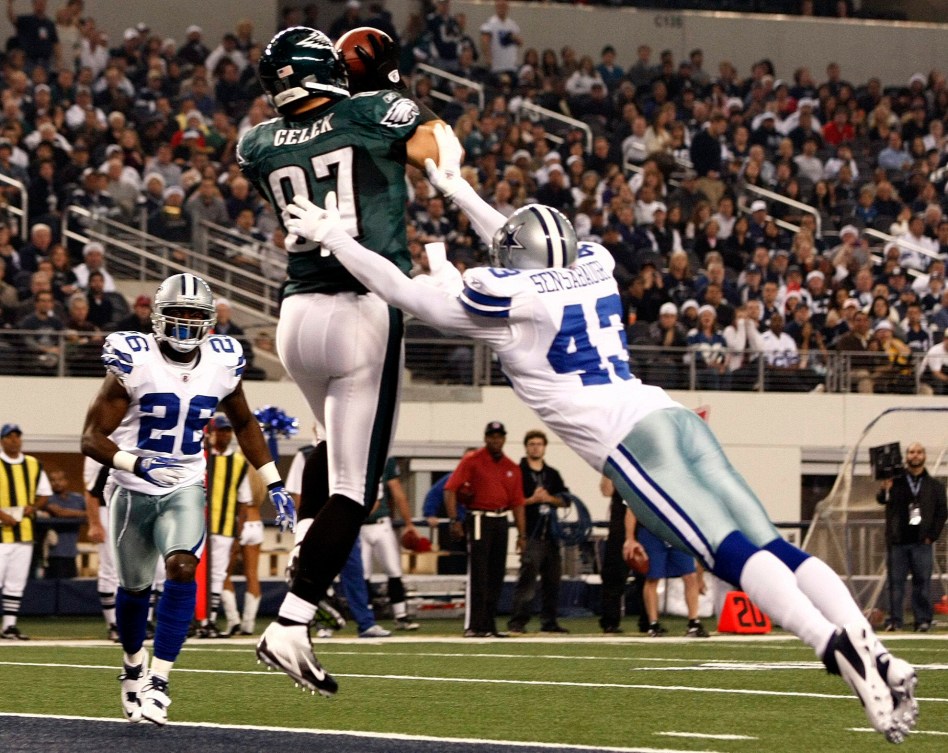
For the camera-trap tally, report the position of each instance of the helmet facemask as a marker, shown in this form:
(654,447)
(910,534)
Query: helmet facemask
(183,333)
(184,312)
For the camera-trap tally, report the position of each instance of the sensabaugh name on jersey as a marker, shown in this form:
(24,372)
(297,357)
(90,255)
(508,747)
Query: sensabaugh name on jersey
(580,276)
(302,135)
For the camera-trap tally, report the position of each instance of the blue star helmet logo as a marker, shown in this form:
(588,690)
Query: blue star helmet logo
(510,238)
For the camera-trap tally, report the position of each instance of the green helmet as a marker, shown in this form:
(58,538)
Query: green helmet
(300,63)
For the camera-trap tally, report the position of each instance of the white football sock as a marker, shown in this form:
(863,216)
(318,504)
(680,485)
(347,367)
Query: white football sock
(773,587)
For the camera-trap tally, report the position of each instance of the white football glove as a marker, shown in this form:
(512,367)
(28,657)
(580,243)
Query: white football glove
(310,221)
(161,471)
(251,533)
(444,275)
(446,175)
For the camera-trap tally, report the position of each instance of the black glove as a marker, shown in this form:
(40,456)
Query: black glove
(381,65)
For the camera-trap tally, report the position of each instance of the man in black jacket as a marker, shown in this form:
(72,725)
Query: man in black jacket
(915,513)
(543,488)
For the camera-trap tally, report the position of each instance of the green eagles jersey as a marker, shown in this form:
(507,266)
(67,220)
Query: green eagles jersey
(355,147)
(384,509)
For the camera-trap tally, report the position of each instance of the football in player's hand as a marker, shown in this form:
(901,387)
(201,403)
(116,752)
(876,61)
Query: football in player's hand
(361,50)
(415,543)
(638,561)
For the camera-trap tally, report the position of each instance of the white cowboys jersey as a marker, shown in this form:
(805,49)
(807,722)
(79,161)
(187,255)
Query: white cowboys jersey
(560,339)
(170,403)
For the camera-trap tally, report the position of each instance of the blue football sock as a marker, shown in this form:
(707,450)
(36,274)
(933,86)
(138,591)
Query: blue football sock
(173,618)
(131,615)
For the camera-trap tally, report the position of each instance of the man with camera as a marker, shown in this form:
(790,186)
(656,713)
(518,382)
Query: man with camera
(915,513)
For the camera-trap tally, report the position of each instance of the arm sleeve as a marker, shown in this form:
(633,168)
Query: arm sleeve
(485,219)
(423,300)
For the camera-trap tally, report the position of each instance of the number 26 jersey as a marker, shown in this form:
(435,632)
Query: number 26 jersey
(170,404)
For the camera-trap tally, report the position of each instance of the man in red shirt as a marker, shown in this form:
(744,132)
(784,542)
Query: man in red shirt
(839,129)
(493,485)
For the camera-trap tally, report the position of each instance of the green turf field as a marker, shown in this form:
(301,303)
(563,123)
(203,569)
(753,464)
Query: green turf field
(720,694)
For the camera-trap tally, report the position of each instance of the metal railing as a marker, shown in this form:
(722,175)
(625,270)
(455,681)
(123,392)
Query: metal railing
(431,71)
(249,272)
(900,241)
(22,210)
(779,198)
(449,360)
(136,255)
(543,114)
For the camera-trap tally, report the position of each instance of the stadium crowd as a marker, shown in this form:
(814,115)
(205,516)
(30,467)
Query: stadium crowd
(679,168)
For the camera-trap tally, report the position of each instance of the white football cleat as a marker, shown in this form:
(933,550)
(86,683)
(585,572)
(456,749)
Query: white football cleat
(900,676)
(852,650)
(155,700)
(133,680)
(288,648)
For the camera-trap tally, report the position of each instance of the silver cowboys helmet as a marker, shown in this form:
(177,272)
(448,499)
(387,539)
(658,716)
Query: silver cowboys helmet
(176,296)
(534,237)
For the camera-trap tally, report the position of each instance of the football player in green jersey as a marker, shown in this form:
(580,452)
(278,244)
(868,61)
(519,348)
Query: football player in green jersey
(340,343)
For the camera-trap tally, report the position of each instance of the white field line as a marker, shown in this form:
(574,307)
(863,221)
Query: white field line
(705,736)
(484,681)
(372,735)
(930,732)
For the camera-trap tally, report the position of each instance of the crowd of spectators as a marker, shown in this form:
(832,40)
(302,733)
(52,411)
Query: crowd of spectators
(678,182)
(143,130)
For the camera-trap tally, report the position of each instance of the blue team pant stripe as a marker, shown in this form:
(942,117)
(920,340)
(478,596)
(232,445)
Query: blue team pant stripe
(661,504)
(667,497)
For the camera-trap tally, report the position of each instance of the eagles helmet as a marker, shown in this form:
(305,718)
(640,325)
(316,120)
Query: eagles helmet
(534,237)
(301,63)
(176,295)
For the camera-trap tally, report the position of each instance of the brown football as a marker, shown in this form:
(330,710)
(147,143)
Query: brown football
(346,45)
(638,562)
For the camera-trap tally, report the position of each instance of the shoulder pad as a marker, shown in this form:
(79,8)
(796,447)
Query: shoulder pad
(488,291)
(226,351)
(245,146)
(588,250)
(123,351)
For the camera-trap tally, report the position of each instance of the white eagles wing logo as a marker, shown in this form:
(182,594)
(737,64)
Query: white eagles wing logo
(401,113)
(317,40)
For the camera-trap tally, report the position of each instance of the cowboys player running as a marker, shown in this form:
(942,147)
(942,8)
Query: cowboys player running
(147,424)
(550,309)
(339,342)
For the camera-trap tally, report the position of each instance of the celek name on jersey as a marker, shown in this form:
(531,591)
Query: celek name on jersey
(302,135)
(552,280)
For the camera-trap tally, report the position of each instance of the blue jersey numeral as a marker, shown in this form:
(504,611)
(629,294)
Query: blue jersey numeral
(221,344)
(571,351)
(136,342)
(161,411)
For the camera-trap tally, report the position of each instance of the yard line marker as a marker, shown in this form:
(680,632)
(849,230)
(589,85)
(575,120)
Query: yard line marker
(706,735)
(930,732)
(363,734)
(486,681)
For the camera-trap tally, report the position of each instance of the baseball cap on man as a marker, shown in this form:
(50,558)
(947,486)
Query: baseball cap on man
(495,427)
(10,429)
(220,421)
(758,206)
